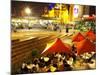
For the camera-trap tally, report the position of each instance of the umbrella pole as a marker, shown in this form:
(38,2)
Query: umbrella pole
(85,56)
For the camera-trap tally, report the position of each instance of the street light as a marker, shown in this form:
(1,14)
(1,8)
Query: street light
(28,10)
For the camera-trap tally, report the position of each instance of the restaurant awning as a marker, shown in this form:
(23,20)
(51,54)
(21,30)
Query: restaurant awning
(85,46)
(57,47)
(78,37)
(91,35)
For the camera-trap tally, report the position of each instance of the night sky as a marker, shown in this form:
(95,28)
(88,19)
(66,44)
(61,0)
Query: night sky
(17,8)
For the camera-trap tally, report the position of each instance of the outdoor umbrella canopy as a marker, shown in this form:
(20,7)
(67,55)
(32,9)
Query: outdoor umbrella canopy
(85,46)
(91,35)
(78,37)
(57,47)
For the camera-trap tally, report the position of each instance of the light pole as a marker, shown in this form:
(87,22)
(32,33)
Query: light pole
(28,12)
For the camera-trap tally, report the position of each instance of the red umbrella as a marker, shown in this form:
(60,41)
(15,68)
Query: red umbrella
(91,35)
(58,47)
(85,46)
(78,37)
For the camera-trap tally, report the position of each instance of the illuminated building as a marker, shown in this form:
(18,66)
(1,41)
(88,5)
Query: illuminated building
(60,13)
(65,13)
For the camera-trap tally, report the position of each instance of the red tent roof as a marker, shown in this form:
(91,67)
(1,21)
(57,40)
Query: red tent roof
(59,47)
(78,37)
(91,35)
(85,46)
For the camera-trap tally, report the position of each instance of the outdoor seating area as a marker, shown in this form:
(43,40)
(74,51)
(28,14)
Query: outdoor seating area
(62,57)
(52,37)
(58,62)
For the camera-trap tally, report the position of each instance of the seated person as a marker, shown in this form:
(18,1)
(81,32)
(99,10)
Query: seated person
(53,68)
(67,67)
(24,68)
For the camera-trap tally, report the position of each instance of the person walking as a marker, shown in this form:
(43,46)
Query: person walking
(67,28)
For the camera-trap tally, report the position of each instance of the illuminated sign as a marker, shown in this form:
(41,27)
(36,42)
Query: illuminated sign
(76,11)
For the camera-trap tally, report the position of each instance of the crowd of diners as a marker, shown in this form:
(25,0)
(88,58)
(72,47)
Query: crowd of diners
(57,62)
